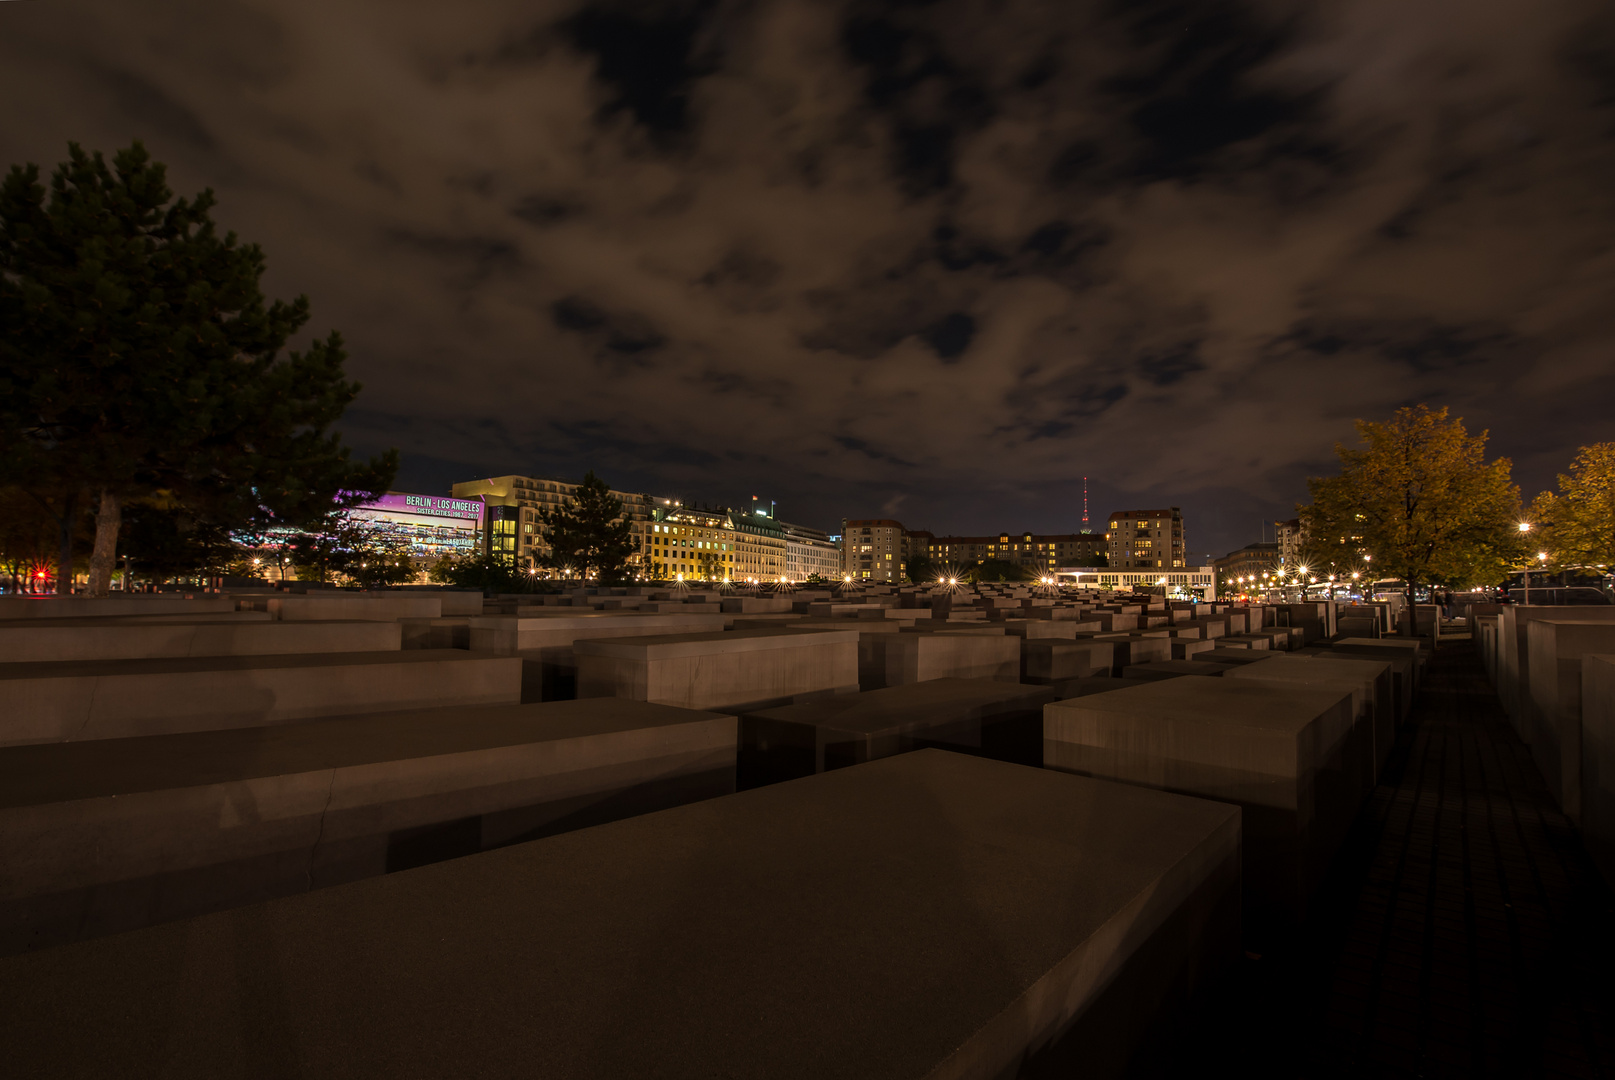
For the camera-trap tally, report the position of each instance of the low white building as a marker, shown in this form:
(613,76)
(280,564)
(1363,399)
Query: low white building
(1196,581)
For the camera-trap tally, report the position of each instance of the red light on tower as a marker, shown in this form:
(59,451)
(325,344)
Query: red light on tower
(1084,504)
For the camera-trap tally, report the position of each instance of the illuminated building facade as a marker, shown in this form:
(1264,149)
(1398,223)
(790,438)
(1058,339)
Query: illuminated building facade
(1038,554)
(431,525)
(874,550)
(512,529)
(1146,539)
(695,545)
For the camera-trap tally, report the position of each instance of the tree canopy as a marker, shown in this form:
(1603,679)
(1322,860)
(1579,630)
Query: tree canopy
(1421,499)
(1578,523)
(589,534)
(138,356)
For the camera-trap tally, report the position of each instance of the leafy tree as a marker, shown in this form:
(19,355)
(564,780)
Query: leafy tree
(1101,558)
(27,536)
(161,537)
(341,548)
(137,356)
(1579,522)
(920,569)
(1421,499)
(815,579)
(589,532)
(997,570)
(489,573)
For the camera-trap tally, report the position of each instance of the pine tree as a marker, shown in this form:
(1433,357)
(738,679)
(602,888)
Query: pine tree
(137,355)
(589,534)
(1422,500)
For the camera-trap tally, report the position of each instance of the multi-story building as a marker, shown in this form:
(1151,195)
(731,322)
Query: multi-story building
(691,545)
(761,551)
(874,550)
(1292,538)
(1191,582)
(511,526)
(810,553)
(1241,571)
(1039,554)
(431,525)
(1146,539)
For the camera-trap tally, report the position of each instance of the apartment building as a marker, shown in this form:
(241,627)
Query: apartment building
(1146,539)
(1241,571)
(874,550)
(1036,553)
(1291,538)
(810,552)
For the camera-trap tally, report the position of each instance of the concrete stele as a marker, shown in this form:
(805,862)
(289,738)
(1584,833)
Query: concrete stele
(698,943)
(1598,761)
(109,639)
(106,836)
(985,716)
(1283,753)
(114,699)
(1556,648)
(735,671)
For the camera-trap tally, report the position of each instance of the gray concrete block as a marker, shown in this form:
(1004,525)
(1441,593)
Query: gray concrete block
(113,639)
(81,607)
(1284,754)
(1044,661)
(731,672)
(1598,761)
(1189,648)
(981,716)
(1369,684)
(944,654)
(1139,650)
(1173,669)
(449,632)
(115,699)
(381,608)
(106,836)
(1556,649)
(1074,688)
(697,942)
(1237,655)
(544,639)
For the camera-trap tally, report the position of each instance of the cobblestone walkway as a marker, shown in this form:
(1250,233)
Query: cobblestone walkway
(1463,930)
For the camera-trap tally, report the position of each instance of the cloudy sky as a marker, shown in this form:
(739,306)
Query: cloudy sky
(931,260)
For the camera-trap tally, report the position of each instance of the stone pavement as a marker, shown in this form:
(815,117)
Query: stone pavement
(1462,931)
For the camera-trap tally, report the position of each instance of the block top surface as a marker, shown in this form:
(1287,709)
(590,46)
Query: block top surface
(166,665)
(866,922)
(1252,704)
(934,700)
(756,639)
(58,772)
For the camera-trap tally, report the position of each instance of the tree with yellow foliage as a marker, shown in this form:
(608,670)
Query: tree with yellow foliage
(1578,524)
(1422,500)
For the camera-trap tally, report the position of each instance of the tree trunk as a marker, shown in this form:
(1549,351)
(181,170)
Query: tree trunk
(1413,613)
(108,520)
(64,561)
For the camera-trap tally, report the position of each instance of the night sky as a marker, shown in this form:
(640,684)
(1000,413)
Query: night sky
(934,261)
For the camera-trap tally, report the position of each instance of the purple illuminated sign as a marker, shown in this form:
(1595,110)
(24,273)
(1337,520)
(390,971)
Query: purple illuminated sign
(427,506)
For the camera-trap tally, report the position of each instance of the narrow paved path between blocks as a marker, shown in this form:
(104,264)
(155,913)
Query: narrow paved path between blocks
(1463,930)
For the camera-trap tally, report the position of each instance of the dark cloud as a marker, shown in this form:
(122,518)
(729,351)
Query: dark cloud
(949,255)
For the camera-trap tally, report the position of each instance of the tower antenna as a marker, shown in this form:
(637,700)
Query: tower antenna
(1084,504)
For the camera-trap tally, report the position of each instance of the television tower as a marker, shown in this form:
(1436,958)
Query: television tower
(1085,505)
